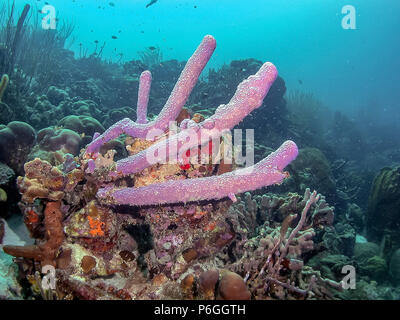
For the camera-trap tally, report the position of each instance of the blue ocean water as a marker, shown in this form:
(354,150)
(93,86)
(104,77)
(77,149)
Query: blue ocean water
(304,38)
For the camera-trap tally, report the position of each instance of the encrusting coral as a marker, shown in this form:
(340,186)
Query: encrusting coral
(179,237)
(271,257)
(41,180)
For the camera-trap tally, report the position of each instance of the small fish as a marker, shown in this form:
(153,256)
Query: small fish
(114,37)
(301,82)
(112,4)
(151,3)
(152,48)
(96,41)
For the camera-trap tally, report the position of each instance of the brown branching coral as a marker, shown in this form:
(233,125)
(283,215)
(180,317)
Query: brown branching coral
(304,240)
(273,260)
(194,251)
(183,248)
(45,253)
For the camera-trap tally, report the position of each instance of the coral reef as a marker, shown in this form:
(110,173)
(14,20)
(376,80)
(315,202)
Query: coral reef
(184,233)
(139,227)
(170,246)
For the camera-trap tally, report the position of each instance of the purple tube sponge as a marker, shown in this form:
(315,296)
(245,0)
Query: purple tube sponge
(266,172)
(143,96)
(249,96)
(173,106)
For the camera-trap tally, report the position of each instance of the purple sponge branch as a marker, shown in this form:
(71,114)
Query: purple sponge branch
(266,172)
(186,82)
(143,96)
(174,104)
(248,96)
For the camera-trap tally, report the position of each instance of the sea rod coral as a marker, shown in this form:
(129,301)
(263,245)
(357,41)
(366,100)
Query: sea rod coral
(3,85)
